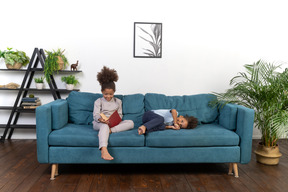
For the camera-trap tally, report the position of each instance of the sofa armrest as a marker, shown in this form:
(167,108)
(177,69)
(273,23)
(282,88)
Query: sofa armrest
(241,120)
(245,123)
(45,125)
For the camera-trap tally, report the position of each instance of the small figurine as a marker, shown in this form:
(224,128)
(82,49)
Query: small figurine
(74,66)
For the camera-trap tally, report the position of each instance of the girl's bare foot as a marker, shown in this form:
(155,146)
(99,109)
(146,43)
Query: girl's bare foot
(105,154)
(141,130)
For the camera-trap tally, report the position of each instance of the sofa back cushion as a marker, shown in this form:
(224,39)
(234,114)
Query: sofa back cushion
(58,108)
(191,105)
(81,106)
(133,108)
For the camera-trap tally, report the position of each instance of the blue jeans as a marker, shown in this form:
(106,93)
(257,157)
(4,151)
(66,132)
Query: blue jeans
(153,121)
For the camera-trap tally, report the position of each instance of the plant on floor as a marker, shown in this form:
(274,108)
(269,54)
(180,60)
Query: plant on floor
(265,90)
(54,62)
(14,57)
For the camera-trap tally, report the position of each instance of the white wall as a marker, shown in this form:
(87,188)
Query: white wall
(205,43)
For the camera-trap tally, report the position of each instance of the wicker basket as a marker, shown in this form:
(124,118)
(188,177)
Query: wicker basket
(15,66)
(60,63)
(267,155)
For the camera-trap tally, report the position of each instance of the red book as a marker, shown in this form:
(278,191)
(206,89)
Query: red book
(114,119)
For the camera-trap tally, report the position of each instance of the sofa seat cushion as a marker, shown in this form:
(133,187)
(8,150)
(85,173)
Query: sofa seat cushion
(85,136)
(205,135)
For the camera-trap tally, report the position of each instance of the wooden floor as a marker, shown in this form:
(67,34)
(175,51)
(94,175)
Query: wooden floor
(20,171)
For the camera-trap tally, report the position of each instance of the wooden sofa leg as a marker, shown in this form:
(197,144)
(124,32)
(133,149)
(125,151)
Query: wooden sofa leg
(56,172)
(53,171)
(233,167)
(230,169)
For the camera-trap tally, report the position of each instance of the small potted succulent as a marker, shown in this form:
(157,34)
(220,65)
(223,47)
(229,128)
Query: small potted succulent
(54,62)
(70,81)
(14,59)
(39,82)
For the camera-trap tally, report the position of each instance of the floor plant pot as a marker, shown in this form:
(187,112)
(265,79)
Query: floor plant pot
(69,86)
(267,155)
(15,66)
(39,85)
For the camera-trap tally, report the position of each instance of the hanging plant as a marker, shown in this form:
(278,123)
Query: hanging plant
(54,62)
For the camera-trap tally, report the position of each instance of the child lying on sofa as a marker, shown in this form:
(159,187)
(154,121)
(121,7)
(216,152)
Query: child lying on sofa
(156,120)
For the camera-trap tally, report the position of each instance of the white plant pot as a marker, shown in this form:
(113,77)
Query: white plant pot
(69,86)
(39,85)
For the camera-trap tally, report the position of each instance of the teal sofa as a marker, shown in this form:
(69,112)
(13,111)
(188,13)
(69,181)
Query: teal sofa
(65,134)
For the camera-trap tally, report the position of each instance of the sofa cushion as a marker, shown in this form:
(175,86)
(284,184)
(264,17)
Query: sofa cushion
(191,105)
(133,104)
(85,136)
(58,108)
(80,106)
(228,116)
(133,108)
(208,135)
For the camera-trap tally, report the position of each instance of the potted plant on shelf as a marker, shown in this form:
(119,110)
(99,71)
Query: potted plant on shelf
(39,82)
(54,62)
(14,59)
(70,81)
(263,89)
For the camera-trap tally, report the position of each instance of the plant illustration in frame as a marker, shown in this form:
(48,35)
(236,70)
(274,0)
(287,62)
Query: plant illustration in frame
(147,40)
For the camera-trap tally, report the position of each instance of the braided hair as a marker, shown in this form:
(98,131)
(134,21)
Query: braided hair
(106,77)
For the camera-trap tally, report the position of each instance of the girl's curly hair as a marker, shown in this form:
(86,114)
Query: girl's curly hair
(106,77)
(192,122)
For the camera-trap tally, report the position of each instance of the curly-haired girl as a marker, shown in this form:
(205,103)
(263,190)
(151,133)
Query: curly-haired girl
(107,105)
(156,120)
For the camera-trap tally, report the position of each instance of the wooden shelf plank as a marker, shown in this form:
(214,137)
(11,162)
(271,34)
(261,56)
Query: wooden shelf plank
(20,126)
(40,69)
(18,109)
(23,126)
(6,107)
(34,89)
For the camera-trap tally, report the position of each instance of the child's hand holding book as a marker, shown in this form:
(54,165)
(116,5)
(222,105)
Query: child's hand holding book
(104,119)
(112,121)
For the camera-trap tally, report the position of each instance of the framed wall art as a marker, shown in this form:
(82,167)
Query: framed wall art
(147,40)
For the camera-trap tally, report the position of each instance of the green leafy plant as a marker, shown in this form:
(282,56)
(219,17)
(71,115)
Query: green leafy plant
(155,41)
(52,63)
(12,57)
(71,79)
(263,89)
(39,80)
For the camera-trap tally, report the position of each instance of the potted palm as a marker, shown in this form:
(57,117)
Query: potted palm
(14,59)
(263,89)
(70,81)
(39,82)
(55,61)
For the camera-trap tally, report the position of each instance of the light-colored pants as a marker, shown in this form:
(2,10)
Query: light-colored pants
(103,129)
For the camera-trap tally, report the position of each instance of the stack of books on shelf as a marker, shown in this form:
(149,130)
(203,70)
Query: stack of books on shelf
(30,103)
